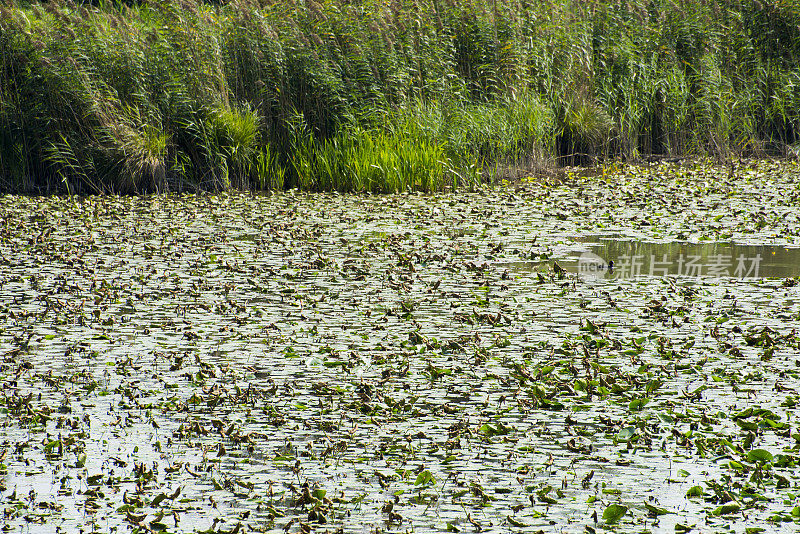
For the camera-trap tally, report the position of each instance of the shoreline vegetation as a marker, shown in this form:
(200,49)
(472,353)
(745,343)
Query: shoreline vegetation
(382,96)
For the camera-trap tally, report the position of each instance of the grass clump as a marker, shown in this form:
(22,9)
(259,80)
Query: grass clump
(378,161)
(382,95)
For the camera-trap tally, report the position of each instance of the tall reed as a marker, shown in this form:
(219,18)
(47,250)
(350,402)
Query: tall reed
(382,95)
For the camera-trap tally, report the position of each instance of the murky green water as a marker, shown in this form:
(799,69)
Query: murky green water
(616,257)
(297,363)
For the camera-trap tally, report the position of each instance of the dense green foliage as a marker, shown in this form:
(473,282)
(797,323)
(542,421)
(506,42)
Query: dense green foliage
(383,95)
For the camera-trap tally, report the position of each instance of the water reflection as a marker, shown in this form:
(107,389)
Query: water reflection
(614,258)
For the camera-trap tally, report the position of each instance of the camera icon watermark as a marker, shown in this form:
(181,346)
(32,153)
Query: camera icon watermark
(591,266)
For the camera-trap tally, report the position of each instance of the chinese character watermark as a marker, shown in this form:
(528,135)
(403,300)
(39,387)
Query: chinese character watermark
(592,266)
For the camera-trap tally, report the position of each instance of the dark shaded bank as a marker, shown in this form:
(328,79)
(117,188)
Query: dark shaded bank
(382,96)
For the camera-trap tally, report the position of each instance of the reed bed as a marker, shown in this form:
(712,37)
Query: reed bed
(382,95)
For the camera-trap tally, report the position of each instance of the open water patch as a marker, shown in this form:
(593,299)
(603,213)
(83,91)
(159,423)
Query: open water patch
(613,257)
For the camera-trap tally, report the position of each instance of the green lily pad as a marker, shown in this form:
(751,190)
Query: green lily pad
(613,513)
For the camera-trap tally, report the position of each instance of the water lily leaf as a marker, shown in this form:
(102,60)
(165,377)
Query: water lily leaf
(614,513)
(498,429)
(552,405)
(637,405)
(425,478)
(725,509)
(695,491)
(666,418)
(759,456)
(773,424)
(737,466)
(514,523)
(746,425)
(656,510)
(653,385)
(590,327)
(547,499)
(626,433)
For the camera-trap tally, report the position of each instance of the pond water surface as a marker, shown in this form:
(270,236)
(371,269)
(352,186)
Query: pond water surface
(311,363)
